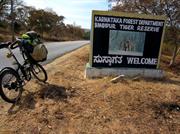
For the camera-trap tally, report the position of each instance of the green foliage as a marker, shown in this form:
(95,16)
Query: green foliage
(3,24)
(86,35)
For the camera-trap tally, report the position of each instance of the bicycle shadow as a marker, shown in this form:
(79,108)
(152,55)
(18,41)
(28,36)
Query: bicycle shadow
(56,93)
(46,91)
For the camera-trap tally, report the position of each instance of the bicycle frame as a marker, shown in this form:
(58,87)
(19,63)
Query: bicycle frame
(20,67)
(12,54)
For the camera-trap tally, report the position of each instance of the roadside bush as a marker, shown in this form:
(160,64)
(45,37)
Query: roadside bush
(4,38)
(3,24)
(1,38)
(167,48)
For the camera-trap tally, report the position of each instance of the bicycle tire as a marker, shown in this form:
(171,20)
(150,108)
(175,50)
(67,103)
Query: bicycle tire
(35,66)
(12,72)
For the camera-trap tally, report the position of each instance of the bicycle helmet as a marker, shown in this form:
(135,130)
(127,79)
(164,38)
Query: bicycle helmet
(33,35)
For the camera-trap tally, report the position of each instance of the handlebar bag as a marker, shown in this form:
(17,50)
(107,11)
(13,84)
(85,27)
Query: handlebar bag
(35,48)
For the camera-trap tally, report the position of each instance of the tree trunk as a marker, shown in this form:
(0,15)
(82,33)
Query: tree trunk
(174,55)
(12,20)
(42,33)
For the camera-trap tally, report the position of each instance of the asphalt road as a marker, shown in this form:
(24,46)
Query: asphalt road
(55,50)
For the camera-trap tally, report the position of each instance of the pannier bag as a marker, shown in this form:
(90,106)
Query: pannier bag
(39,53)
(37,50)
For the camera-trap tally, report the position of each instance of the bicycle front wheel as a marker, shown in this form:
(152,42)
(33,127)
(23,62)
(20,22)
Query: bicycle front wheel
(10,87)
(39,72)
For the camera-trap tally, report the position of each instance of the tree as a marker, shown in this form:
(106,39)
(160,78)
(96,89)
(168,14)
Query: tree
(22,14)
(156,7)
(3,13)
(23,18)
(7,12)
(43,21)
(172,36)
(3,7)
(86,35)
(74,32)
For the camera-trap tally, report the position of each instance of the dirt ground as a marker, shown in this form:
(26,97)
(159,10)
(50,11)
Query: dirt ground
(71,104)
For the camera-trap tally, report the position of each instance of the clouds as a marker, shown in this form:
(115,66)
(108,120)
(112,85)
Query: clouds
(87,1)
(78,11)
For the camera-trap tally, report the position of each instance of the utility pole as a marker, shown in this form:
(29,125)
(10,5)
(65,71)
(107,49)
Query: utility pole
(12,20)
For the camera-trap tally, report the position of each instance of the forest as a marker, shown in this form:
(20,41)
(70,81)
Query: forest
(16,18)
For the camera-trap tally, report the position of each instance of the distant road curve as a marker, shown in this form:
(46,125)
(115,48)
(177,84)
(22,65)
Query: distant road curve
(55,50)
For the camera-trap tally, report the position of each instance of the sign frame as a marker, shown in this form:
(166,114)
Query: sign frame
(130,15)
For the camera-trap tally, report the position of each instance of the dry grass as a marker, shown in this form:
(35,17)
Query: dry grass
(70,104)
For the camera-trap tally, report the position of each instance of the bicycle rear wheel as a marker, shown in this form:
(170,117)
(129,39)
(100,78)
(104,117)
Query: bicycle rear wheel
(10,87)
(39,72)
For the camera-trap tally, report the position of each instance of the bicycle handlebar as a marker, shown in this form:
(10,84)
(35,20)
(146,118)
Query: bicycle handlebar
(9,45)
(12,45)
(4,45)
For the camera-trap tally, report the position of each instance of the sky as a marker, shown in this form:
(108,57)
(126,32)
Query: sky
(74,11)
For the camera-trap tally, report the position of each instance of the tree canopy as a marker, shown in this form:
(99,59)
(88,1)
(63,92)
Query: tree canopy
(14,14)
